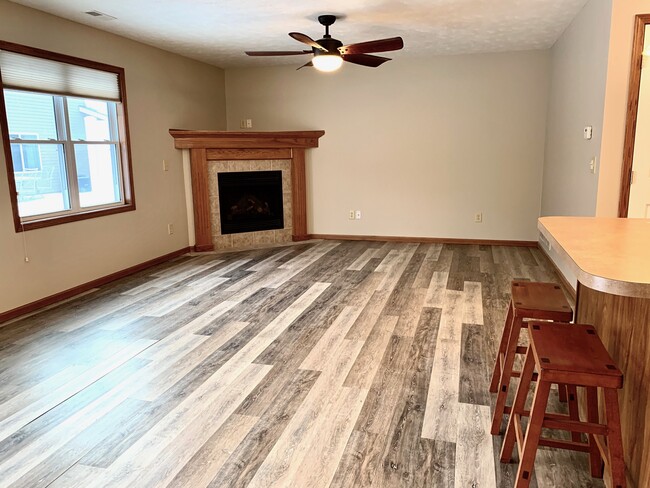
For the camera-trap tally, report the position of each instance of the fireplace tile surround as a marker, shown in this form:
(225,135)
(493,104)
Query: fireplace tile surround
(213,152)
(249,239)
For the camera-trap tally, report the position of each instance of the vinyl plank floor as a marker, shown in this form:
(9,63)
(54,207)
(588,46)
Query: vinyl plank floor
(322,364)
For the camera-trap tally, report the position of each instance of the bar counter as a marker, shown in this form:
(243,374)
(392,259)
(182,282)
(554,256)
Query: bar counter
(611,259)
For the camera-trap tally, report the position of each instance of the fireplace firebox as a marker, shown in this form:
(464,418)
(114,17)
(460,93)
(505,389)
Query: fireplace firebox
(250,201)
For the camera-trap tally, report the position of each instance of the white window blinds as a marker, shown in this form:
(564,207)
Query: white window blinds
(24,72)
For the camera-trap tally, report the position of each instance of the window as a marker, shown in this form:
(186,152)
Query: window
(65,137)
(26,157)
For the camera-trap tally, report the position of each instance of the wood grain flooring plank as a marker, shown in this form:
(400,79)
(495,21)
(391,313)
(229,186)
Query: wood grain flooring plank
(157,456)
(257,307)
(359,461)
(29,435)
(243,463)
(365,367)
(21,462)
(78,476)
(271,261)
(199,471)
(383,395)
(130,431)
(368,316)
(410,314)
(362,260)
(423,277)
(475,362)
(310,256)
(57,463)
(283,460)
(329,439)
(442,399)
(363,292)
(402,451)
(176,368)
(473,466)
(473,308)
(331,268)
(320,355)
(397,268)
(436,290)
(403,287)
(287,352)
(28,408)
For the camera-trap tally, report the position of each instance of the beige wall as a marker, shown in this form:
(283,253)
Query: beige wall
(419,146)
(164,91)
(618,75)
(576,100)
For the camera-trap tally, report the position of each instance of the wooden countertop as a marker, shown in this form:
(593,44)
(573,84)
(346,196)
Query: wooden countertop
(607,254)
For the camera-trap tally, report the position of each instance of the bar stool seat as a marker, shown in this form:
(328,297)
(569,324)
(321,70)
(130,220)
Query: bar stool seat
(573,355)
(530,301)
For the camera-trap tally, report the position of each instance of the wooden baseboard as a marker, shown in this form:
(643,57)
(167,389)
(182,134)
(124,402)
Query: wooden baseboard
(64,295)
(565,283)
(425,240)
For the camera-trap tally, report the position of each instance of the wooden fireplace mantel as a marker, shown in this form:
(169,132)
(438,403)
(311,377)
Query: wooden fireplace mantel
(207,146)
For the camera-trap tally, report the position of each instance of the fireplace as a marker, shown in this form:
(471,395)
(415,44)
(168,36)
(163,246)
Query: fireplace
(209,153)
(250,201)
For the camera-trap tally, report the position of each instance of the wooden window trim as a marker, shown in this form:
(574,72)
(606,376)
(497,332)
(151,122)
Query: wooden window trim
(125,144)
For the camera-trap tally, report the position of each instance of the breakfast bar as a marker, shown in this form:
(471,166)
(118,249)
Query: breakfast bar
(611,259)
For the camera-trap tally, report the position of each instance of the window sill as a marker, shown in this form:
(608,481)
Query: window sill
(51,221)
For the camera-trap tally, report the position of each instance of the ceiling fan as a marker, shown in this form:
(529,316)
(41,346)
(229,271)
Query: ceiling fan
(329,53)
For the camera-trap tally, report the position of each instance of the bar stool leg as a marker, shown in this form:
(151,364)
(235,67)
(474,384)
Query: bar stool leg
(595,459)
(533,432)
(614,441)
(518,406)
(574,412)
(496,374)
(506,374)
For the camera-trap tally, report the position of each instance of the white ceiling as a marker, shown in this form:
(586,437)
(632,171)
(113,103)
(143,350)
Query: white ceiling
(218,31)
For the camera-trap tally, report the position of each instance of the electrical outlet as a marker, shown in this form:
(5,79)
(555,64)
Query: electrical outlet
(249,123)
(478,217)
(592,165)
(170,229)
(351,215)
(357,215)
(165,165)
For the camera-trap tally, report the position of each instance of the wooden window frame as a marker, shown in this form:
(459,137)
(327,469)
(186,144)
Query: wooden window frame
(124,146)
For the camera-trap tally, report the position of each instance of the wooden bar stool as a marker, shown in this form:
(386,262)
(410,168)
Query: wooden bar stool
(530,301)
(574,356)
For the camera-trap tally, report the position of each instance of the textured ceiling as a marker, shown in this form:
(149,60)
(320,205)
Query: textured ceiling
(218,31)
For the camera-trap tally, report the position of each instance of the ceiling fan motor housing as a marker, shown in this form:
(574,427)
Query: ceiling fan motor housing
(332,46)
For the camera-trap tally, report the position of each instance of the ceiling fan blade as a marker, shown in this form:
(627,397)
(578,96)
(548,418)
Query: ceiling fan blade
(277,53)
(306,65)
(378,46)
(305,39)
(365,59)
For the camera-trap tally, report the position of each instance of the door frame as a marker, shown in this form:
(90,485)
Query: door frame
(641,21)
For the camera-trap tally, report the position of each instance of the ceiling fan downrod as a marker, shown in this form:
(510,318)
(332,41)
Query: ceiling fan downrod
(327,20)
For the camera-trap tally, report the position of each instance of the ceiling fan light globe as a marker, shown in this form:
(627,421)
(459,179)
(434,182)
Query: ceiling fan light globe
(327,62)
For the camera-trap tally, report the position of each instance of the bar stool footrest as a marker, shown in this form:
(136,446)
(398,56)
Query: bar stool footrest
(560,444)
